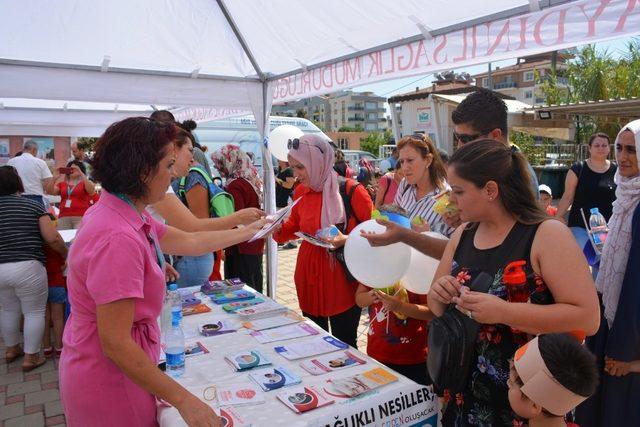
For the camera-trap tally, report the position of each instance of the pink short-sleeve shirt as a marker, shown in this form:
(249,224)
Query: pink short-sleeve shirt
(112,258)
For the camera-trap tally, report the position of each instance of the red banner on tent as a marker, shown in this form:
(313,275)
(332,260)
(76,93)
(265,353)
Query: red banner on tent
(563,26)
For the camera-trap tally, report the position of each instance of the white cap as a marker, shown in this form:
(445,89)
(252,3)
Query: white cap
(544,188)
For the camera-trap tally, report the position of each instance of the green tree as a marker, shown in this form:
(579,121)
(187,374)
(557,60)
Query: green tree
(372,142)
(87,143)
(346,129)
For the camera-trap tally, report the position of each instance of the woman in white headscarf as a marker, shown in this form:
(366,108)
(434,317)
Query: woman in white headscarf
(617,343)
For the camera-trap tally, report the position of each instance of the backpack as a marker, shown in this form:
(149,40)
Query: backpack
(348,214)
(220,202)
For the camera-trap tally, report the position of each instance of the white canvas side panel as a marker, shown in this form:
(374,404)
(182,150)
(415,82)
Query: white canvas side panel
(83,85)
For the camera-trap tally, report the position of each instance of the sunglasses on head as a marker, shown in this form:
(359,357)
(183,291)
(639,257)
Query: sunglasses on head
(466,138)
(295,144)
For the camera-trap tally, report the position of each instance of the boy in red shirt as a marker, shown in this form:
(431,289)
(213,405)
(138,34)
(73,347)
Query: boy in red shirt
(397,335)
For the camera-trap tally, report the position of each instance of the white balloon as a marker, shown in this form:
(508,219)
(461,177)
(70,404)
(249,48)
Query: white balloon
(421,269)
(376,267)
(278,139)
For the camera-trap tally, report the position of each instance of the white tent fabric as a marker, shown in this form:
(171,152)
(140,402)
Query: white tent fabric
(246,54)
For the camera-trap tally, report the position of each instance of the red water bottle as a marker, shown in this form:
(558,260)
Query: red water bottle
(515,280)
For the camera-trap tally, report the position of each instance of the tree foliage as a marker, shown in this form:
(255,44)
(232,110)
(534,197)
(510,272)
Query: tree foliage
(374,140)
(596,75)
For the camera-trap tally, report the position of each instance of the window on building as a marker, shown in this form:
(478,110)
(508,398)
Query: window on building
(371,105)
(372,116)
(370,126)
(485,82)
(528,94)
(343,143)
(528,76)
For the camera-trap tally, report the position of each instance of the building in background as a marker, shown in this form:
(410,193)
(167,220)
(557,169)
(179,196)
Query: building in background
(315,109)
(361,110)
(519,80)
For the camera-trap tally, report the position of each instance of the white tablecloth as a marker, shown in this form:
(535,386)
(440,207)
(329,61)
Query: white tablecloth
(402,403)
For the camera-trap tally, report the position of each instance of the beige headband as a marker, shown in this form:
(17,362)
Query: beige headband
(539,385)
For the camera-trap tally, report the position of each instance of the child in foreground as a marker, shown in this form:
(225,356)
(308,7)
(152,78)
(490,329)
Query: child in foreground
(550,376)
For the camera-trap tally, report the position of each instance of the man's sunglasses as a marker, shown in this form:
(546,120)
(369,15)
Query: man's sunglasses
(466,138)
(295,144)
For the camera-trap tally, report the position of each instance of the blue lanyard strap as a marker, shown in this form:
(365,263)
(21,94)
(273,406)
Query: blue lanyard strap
(159,255)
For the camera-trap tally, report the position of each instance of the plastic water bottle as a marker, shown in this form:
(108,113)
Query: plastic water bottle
(599,229)
(165,314)
(327,232)
(176,303)
(174,349)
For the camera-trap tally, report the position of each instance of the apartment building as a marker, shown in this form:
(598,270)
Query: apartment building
(316,109)
(519,80)
(357,109)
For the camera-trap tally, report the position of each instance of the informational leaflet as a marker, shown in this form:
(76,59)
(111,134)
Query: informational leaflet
(311,347)
(303,399)
(275,378)
(277,219)
(314,240)
(247,360)
(241,394)
(356,385)
(332,362)
(284,333)
(287,318)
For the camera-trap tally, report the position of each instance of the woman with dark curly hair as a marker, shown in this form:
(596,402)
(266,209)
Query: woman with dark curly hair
(116,280)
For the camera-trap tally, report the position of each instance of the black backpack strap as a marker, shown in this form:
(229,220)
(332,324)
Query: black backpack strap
(346,201)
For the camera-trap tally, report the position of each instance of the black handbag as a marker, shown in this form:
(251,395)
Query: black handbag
(451,343)
(452,336)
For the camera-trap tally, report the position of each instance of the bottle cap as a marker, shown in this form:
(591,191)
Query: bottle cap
(594,211)
(173,286)
(514,273)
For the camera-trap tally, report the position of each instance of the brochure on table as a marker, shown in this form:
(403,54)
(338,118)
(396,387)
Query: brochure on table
(399,402)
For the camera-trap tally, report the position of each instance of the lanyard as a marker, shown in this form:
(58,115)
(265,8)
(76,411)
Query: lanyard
(159,255)
(70,189)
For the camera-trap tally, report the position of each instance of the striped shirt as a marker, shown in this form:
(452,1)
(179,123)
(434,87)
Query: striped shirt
(406,199)
(20,238)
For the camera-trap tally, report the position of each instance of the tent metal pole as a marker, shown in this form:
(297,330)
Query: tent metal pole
(504,14)
(243,43)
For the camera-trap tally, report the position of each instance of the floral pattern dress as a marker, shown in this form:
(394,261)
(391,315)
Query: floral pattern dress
(484,401)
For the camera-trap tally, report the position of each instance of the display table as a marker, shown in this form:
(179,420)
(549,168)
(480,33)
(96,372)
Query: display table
(400,403)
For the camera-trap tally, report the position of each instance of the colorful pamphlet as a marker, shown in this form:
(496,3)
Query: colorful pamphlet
(230,418)
(195,309)
(189,300)
(331,362)
(314,240)
(361,383)
(245,360)
(217,286)
(242,394)
(284,333)
(232,307)
(276,219)
(240,295)
(287,318)
(311,347)
(303,399)
(266,309)
(274,378)
(217,327)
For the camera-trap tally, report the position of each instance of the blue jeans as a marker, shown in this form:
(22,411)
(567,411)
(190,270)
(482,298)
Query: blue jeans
(194,270)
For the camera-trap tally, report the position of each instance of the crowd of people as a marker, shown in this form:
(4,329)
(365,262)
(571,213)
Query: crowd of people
(162,216)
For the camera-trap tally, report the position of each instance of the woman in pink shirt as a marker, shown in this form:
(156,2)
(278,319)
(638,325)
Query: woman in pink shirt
(116,283)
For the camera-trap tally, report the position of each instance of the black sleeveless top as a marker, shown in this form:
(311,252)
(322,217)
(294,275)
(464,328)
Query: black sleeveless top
(484,401)
(594,190)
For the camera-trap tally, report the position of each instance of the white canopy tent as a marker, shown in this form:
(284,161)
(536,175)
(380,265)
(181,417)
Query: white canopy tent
(243,55)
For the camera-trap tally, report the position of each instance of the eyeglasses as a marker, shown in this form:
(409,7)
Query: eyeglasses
(466,138)
(295,144)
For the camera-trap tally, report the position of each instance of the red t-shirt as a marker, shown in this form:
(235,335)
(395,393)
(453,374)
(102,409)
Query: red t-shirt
(54,265)
(321,283)
(404,342)
(80,199)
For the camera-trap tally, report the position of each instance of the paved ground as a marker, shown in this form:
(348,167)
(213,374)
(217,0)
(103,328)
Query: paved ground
(33,399)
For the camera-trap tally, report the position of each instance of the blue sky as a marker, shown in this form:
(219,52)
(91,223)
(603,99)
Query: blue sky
(394,87)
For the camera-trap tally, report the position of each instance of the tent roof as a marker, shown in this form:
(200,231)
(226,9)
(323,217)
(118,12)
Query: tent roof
(513,106)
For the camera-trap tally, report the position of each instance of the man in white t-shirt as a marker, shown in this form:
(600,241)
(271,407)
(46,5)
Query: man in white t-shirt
(34,172)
